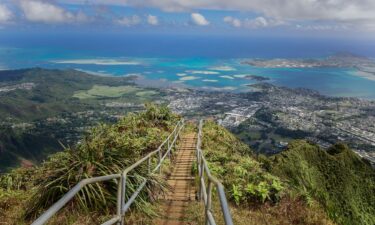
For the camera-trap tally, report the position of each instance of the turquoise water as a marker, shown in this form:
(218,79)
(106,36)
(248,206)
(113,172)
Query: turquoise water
(225,74)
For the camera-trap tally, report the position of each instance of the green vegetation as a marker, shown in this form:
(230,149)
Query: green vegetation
(338,179)
(107,149)
(16,147)
(58,91)
(146,93)
(102,91)
(255,193)
(303,176)
(230,160)
(52,92)
(58,106)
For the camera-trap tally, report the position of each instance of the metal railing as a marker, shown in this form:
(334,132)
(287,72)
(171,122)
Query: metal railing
(205,188)
(122,205)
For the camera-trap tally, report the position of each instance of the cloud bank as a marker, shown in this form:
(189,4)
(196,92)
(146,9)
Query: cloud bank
(45,12)
(341,10)
(303,15)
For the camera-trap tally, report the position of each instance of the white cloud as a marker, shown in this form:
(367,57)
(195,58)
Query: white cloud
(258,22)
(152,20)
(261,22)
(45,12)
(199,19)
(232,21)
(5,14)
(322,27)
(338,10)
(129,21)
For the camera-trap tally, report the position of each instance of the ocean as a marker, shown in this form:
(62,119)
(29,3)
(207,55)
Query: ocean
(207,62)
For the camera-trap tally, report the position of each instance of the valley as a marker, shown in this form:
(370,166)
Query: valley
(267,117)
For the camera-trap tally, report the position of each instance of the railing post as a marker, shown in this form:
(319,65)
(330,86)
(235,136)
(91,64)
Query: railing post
(160,156)
(123,184)
(149,166)
(169,150)
(201,180)
(119,202)
(209,201)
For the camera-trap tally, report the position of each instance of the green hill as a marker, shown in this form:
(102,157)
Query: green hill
(338,179)
(51,92)
(107,149)
(302,185)
(256,193)
(16,148)
(40,108)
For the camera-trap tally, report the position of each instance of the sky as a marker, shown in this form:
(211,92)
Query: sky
(337,18)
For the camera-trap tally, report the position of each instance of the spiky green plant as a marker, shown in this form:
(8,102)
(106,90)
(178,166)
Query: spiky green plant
(107,149)
(232,162)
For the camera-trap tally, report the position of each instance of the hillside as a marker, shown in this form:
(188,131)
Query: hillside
(107,149)
(302,185)
(40,108)
(338,179)
(24,148)
(31,94)
(256,193)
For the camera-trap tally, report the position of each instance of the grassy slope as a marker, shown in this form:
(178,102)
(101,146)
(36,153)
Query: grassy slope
(18,146)
(107,149)
(255,194)
(342,182)
(337,181)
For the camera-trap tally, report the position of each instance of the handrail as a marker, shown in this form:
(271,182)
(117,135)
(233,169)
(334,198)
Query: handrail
(205,192)
(122,205)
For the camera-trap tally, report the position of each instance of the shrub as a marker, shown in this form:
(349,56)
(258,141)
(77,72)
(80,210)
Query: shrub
(339,180)
(107,149)
(231,161)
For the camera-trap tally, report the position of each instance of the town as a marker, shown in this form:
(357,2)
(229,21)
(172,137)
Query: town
(272,116)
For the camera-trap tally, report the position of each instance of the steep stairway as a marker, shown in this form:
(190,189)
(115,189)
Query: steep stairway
(175,203)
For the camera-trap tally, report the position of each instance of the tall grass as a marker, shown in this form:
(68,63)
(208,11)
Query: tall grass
(243,177)
(107,149)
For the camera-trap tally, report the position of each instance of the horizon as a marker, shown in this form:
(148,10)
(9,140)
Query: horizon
(214,28)
(329,19)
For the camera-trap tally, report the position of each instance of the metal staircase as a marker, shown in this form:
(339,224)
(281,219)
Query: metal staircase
(176,201)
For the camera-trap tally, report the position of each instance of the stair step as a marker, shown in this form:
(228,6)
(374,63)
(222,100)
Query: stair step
(170,222)
(180,198)
(181,178)
(181,185)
